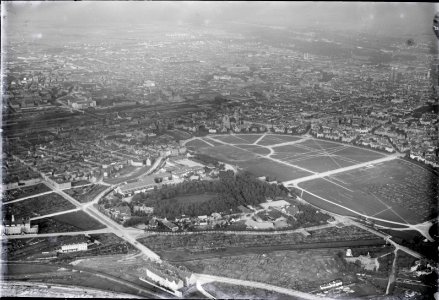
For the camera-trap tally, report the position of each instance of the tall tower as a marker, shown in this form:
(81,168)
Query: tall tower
(393,74)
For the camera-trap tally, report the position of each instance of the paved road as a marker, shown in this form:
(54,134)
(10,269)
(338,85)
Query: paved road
(120,231)
(155,165)
(204,278)
(288,143)
(203,291)
(99,196)
(345,169)
(393,274)
(42,235)
(422,228)
(387,238)
(259,139)
(28,197)
(55,214)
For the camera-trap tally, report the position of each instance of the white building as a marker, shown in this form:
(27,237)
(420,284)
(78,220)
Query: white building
(12,227)
(165,282)
(74,247)
(275,204)
(331,284)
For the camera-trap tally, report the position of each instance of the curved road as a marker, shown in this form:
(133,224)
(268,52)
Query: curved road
(204,278)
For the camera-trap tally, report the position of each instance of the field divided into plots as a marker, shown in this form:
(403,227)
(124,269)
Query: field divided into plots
(300,153)
(395,190)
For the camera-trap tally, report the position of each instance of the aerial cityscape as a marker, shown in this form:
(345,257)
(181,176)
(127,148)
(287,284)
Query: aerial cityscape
(219,150)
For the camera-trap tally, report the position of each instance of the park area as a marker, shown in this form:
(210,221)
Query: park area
(396,190)
(37,206)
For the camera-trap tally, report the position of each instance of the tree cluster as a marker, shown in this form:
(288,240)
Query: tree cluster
(230,191)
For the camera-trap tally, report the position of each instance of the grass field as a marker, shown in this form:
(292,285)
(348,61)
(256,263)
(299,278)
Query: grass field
(41,205)
(213,142)
(232,139)
(395,190)
(229,154)
(292,150)
(274,170)
(319,144)
(269,140)
(254,148)
(310,154)
(249,138)
(197,144)
(360,155)
(75,221)
(320,163)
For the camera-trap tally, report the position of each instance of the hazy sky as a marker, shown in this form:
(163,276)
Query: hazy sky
(408,18)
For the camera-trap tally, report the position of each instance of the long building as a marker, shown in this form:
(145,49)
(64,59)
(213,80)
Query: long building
(11,227)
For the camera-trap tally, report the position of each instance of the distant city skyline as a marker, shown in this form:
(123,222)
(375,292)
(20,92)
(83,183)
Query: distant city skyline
(385,18)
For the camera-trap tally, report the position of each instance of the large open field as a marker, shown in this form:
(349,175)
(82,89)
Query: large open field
(37,206)
(306,153)
(321,156)
(254,148)
(269,140)
(230,154)
(273,170)
(283,157)
(74,221)
(395,190)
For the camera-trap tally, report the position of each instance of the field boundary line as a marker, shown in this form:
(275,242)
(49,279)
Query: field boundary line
(28,197)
